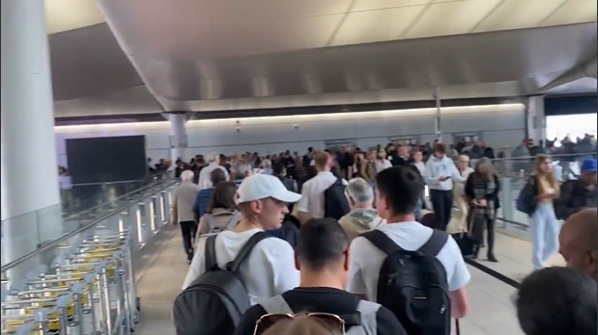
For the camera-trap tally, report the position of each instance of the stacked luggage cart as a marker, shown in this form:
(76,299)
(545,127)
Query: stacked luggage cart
(83,283)
(91,291)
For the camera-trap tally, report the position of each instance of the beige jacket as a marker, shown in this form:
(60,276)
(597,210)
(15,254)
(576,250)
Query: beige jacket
(222,216)
(460,211)
(359,221)
(183,199)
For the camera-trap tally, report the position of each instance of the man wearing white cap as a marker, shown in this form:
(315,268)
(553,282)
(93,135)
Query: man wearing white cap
(270,268)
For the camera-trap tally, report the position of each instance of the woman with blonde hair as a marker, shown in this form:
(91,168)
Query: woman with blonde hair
(538,196)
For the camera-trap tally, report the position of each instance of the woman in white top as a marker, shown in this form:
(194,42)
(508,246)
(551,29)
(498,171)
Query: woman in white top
(381,162)
(418,161)
(459,214)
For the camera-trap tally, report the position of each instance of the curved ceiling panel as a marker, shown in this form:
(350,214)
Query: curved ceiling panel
(87,62)
(64,15)
(233,54)
(536,55)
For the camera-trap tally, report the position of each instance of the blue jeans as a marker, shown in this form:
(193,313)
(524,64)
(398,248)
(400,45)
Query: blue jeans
(544,234)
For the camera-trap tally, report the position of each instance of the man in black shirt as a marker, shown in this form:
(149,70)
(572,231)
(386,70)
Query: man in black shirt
(322,258)
(345,163)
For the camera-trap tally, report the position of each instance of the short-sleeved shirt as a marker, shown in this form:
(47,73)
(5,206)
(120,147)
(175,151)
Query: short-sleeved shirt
(313,200)
(323,300)
(366,260)
(268,271)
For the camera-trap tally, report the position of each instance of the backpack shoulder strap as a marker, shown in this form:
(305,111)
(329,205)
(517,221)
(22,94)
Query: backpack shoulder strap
(277,305)
(245,251)
(435,243)
(368,311)
(210,257)
(211,221)
(233,220)
(382,242)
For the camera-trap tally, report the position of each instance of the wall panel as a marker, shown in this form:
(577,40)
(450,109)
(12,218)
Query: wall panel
(500,125)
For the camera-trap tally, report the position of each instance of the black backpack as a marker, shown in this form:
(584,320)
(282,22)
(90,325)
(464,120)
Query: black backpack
(414,285)
(335,202)
(217,300)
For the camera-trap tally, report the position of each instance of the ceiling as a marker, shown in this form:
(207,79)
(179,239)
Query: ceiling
(199,55)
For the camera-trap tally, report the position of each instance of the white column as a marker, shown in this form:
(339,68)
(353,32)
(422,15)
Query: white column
(536,119)
(30,192)
(178,139)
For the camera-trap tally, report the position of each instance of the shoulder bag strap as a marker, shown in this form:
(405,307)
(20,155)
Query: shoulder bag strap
(245,251)
(234,220)
(211,221)
(435,243)
(210,257)
(277,305)
(382,242)
(369,321)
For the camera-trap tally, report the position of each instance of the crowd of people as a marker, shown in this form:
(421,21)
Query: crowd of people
(338,238)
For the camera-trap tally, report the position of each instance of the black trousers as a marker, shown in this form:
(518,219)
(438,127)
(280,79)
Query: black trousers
(481,223)
(188,230)
(442,201)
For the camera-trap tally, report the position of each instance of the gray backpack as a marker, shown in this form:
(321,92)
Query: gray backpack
(368,310)
(213,223)
(215,302)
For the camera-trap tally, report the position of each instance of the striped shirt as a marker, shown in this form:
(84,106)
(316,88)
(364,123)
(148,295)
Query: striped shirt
(202,201)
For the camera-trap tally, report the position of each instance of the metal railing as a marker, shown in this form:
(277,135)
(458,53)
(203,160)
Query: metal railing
(142,213)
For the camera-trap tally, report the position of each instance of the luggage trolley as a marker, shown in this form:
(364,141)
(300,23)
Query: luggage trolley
(81,310)
(111,254)
(50,316)
(123,241)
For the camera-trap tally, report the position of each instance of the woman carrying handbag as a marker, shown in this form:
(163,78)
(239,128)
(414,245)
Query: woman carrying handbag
(482,189)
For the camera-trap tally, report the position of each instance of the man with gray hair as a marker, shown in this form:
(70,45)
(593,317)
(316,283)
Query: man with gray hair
(183,199)
(363,217)
(205,179)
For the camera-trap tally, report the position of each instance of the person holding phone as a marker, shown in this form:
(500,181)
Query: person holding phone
(440,175)
(482,189)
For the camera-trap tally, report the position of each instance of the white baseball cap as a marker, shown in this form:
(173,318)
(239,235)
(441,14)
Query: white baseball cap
(262,186)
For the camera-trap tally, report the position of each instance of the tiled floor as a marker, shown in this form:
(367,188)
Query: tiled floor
(162,266)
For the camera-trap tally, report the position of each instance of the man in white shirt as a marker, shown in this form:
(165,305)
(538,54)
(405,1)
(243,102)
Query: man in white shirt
(312,203)
(270,268)
(205,180)
(440,174)
(397,194)
(183,198)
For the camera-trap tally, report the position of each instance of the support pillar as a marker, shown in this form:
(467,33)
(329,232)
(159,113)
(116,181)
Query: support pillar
(437,119)
(536,119)
(31,207)
(178,138)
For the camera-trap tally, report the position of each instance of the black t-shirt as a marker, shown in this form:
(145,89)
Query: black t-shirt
(344,160)
(323,300)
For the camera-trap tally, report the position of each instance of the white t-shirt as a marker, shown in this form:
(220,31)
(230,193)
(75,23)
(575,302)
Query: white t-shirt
(268,271)
(366,260)
(205,180)
(312,200)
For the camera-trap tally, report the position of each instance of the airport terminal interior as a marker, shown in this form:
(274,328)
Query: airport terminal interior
(146,142)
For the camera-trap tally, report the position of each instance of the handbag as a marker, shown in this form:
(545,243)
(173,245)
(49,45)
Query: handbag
(464,240)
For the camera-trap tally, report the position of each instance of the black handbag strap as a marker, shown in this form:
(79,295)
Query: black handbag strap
(382,242)
(435,243)
(246,250)
(457,327)
(210,251)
